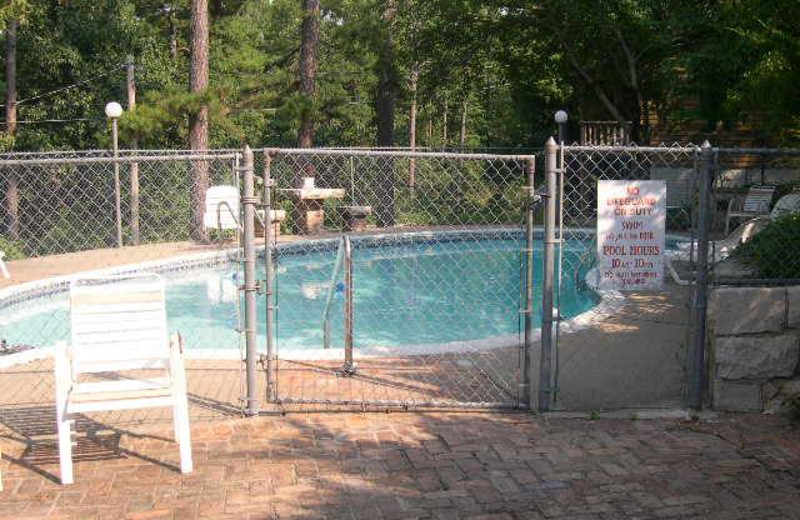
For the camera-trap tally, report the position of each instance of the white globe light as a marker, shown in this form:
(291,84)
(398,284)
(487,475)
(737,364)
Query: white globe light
(561,116)
(113,110)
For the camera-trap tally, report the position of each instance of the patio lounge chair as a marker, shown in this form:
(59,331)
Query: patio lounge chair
(3,268)
(720,249)
(756,203)
(119,324)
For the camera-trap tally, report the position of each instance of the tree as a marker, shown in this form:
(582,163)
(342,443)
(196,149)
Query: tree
(387,77)
(308,71)
(11,203)
(745,66)
(198,132)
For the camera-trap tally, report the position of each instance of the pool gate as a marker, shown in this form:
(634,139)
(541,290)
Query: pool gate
(396,279)
(630,349)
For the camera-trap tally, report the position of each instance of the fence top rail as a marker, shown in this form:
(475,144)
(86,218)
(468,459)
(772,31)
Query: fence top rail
(121,159)
(630,148)
(681,148)
(760,151)
(107,152)
(377,153)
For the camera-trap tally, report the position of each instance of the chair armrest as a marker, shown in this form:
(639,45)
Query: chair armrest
(63,370)
(177,369)
(176,340)
(735,203)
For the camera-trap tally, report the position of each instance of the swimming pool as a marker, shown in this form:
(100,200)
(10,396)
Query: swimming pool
(423,289)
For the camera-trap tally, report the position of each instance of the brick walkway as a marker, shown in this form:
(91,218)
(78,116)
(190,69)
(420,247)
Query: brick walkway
(414,465)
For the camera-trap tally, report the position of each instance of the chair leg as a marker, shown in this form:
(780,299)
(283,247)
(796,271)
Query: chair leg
(183,435)
(65,447)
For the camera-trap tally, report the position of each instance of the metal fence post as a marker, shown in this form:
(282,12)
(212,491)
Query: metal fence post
(117,187)
(527,368)
(268,274)
(700,296)
(545,366)
(249,201)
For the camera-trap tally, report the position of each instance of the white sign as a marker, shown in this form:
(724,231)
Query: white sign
(631,220)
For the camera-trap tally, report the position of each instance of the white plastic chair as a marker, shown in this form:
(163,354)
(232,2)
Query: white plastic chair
(119,323)
(222,208)
(756,203)
(3,269)
(720,249)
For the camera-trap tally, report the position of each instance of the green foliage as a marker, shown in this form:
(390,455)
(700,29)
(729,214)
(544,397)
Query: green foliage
(775,251)
(13,250)
(509,66)
(745,65)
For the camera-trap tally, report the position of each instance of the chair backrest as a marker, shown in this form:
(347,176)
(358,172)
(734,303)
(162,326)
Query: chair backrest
(679,184)
(118,323)
(786,205)
(222,207)
(759,199)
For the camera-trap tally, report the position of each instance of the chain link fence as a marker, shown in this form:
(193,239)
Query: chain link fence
(755,203)
(70,213)
(621,322)
(399,278)
(433,264)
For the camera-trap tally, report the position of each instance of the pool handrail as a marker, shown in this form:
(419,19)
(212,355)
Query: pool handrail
(337,268)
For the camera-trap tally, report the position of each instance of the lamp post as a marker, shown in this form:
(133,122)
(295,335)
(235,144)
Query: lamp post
(561,118)
(113,111)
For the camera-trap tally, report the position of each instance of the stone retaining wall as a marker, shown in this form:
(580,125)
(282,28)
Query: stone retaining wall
(754,335)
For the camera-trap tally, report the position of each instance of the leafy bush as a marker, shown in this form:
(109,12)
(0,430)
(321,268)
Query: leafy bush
(13,250)
(775,251)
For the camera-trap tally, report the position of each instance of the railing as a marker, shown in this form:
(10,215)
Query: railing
(326,313)
(605,133)
(344,261)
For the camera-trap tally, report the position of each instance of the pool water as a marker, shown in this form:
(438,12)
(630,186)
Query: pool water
(410,293)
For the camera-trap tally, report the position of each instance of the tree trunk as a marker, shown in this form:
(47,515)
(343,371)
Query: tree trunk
(198,123)
(429,129)
(412,125)
(444,125)
(387,79)
(173,36)
(219,8)
(308,70)
(11,203)
(462,141)
(130,88)
(387,96)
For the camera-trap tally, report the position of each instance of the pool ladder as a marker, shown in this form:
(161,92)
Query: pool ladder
(344,261)
(587,261)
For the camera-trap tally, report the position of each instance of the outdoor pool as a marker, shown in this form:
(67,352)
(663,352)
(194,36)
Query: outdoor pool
(421,290)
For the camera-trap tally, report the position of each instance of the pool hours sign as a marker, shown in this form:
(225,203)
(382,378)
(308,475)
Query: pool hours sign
(631,219)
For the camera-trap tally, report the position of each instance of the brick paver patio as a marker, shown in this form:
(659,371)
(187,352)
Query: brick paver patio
(420,465)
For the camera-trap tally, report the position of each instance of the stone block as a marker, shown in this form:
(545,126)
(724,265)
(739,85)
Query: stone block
(756,357)
(731,396)
(748,310)
(783,397)
(793,313)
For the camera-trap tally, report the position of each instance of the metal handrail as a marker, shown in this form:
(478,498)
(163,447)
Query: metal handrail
(349,367)
(326,318)
(344,261)
(587,260)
